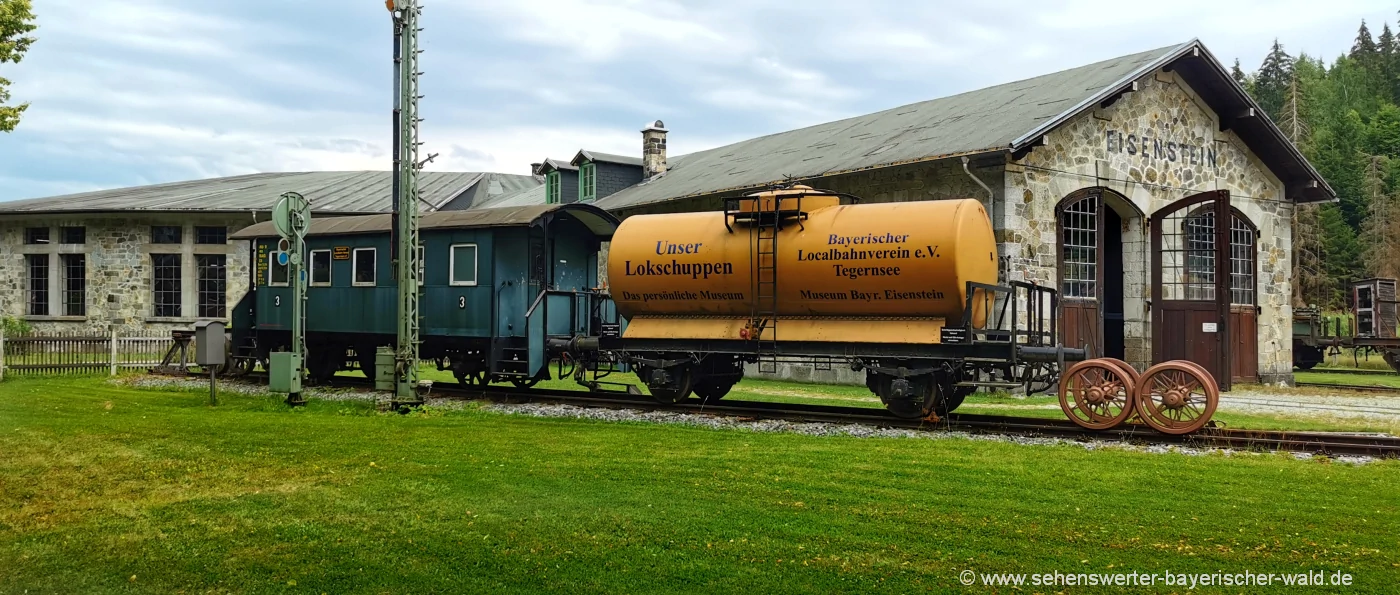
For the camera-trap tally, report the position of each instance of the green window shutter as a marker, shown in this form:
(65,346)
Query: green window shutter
(551,188)
(587,182)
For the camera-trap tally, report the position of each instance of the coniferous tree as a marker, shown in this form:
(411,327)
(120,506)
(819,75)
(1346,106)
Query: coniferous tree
(1381,247)
(1386,46)
(1310,279)
(1272,80)
(1238,73)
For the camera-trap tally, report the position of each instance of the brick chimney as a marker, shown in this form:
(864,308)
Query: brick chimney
(653,150)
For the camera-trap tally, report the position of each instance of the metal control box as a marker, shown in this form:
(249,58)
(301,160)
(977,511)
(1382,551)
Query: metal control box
(384,368)
(284,373)
(209,343)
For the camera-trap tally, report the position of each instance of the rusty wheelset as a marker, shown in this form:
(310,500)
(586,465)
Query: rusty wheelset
(1176,397)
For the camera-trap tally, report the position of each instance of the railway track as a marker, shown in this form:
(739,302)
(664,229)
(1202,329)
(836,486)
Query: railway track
(1372,388)
(1321,443)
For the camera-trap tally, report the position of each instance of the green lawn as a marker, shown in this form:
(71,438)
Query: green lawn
(1326,376)
(107,488)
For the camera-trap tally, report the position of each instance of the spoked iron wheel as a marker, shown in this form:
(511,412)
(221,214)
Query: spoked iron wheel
(1096,394)
(1127,368)
(1177,397)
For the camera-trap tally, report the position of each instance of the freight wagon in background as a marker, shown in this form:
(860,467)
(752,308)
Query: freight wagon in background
(1370,328)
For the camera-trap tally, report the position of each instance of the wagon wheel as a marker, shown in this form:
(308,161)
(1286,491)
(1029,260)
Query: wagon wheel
(524,382)
(1176,397)
(711,389)
(1204,374)
(1127,368)
(478,377)
(1095,394)
(684,384)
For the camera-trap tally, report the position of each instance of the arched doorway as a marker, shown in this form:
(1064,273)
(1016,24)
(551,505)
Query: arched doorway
(1090,260)
(1204,287)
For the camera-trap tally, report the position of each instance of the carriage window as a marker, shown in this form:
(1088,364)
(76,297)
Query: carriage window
(1079,242)
(1241,262)
(464,264)
(364,266)
(276,273)
(320,268)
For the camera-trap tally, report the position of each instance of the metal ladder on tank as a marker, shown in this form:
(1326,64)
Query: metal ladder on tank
(764,232)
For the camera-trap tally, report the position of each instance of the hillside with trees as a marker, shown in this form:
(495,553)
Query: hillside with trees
(1344,117)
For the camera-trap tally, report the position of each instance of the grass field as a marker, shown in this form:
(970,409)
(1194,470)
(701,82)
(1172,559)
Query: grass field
(104,488)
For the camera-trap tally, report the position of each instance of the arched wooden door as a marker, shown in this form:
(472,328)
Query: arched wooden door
(1090,264)
(1191,284)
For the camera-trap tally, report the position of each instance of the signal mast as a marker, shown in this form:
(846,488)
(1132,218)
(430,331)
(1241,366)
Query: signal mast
(405,244)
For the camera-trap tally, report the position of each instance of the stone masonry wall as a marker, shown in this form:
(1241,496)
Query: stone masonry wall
(1152,147)
(119,273)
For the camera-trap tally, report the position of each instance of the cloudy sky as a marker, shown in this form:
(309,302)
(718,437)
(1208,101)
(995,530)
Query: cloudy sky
(133,92)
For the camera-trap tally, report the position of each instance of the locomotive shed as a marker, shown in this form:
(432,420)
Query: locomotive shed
(1105,182)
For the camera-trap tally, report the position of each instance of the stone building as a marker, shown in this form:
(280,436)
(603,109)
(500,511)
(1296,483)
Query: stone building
(1101,181)
(158,257)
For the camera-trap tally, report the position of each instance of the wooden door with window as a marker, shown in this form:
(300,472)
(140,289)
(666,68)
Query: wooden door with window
(1191,262)
(1080,222)
(1244,308)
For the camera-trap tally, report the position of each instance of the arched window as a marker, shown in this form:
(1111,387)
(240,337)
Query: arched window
(1079,248)
(1188,260)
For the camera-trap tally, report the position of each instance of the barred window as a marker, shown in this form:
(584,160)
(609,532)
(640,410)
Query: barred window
(211,235)
(166,286)
(211,285)
(166,234)
(36,235)
(364,266)
(74,283)
(320,268)
(1241,262)
(72,235)
(1079,241)
(1199,234)
(38,265)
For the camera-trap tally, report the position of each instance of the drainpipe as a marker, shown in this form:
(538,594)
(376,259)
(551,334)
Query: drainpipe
(990,196)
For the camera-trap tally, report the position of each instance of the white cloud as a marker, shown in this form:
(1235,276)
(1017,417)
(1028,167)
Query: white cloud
(141,91)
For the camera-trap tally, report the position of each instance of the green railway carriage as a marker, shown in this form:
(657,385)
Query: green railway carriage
(496,285)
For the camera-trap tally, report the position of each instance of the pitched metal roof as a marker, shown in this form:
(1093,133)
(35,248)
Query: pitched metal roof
(586,155)
(556,164)
(1003,118)
(330,192)
(598,221)
(534,195)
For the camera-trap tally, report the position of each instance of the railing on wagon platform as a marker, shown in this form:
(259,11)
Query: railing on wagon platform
(81,353)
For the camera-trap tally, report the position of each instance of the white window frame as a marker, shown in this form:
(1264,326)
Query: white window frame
(330,268)
(272,264)
(452,265)
(355,268)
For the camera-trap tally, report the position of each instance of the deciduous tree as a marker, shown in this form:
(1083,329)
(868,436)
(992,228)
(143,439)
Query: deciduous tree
(16,24)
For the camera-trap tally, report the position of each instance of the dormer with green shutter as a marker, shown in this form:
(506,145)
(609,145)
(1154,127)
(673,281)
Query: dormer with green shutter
(601,174)
(561,181)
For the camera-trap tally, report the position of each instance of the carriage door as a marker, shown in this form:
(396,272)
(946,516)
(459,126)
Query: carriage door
(1091,275)
(1191,272)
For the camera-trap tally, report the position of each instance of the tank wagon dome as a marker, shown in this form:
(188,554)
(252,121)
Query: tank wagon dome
(601,223)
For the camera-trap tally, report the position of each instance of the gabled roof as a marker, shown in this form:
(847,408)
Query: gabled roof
(1001,119)
(598,221)
(534,195)
(586,155)
(556,164)
(329,192)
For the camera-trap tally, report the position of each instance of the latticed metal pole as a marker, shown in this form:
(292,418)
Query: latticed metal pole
(406,166)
